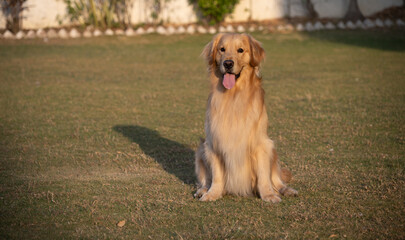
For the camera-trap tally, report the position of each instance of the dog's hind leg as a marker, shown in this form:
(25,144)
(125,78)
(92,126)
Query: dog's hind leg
(277,176)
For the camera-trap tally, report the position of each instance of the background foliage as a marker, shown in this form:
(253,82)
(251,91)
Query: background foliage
(99,13)
(12,10)
(215,11)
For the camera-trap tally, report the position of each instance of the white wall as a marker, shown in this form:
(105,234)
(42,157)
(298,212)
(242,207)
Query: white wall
(265,10)
(331,8)
(338,8)
(141,11)
(2,20)
(179,12)
(297,9)
(44,13)
(370,7)
(242,11)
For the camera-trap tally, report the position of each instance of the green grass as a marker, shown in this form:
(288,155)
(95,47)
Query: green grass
(95,131)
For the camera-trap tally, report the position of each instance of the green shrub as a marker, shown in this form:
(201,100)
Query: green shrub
(215,11)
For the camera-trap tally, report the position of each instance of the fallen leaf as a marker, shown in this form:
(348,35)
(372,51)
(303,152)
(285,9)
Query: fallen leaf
(121,223)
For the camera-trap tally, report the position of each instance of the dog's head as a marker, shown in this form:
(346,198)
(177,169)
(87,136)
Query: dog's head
(232,54)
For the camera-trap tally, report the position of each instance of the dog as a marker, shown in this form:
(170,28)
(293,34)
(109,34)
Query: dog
(237,156)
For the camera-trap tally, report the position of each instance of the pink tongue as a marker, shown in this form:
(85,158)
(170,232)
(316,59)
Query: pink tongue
(229,80)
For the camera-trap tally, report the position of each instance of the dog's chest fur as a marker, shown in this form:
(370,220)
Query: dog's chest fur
(227,112)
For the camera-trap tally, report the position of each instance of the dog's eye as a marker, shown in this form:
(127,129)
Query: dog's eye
(240,50)
(222,49)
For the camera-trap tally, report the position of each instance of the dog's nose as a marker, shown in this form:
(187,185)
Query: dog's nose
(228,64)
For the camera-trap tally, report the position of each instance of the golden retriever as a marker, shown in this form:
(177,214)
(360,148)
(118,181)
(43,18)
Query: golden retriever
(237,157)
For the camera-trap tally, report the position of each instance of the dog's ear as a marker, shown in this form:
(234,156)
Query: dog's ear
(256,52)
(210,50)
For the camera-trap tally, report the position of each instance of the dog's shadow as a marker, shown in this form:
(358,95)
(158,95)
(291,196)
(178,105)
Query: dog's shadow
(174,157)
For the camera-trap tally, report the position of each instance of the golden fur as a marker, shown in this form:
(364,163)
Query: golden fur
(237,157)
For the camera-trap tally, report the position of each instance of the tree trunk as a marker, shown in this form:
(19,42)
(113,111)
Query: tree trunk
(353,12)
(288,9)
(310,8)
(13,10)
(15,24)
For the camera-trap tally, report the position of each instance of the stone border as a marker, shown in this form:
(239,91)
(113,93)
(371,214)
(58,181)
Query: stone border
(193,29)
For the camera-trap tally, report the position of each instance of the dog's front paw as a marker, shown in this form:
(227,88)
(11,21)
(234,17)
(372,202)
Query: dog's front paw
(200,192)
(210,196)
(273,198)
(289,192)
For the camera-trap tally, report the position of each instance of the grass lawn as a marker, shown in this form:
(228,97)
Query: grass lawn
(95,131)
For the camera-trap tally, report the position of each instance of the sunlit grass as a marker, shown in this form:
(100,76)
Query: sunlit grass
(95,131)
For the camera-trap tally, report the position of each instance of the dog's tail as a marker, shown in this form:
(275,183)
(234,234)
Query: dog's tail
(286,175)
